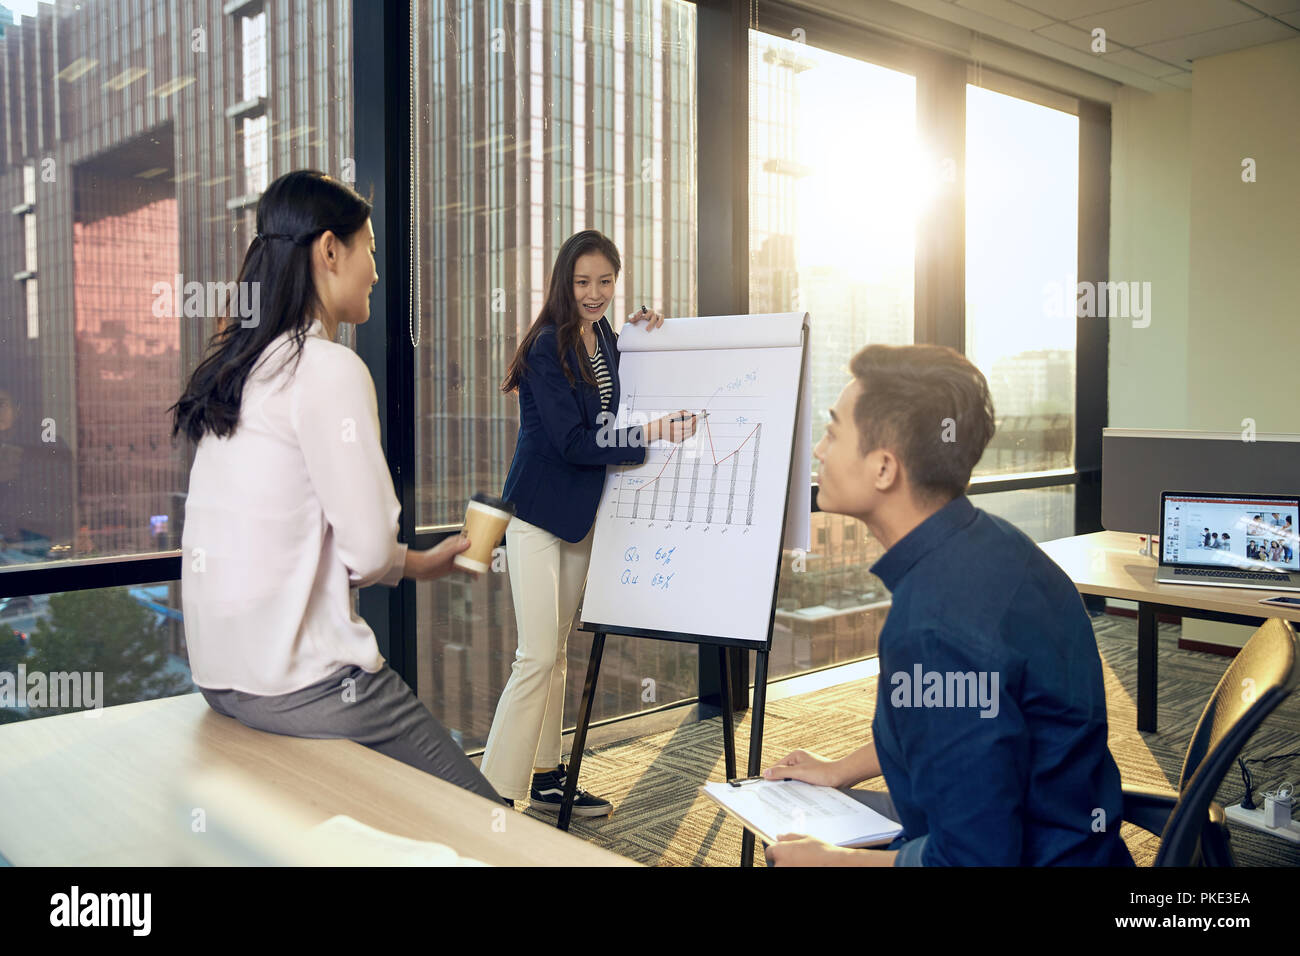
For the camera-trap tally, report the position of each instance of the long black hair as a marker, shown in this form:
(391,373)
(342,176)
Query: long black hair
(295,209)
(561,308)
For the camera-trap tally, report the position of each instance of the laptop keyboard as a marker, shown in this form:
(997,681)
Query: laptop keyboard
(1238,575)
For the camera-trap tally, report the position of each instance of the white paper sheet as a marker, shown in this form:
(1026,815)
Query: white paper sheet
(767,330)
(690,541)
(773,807)
(364,845)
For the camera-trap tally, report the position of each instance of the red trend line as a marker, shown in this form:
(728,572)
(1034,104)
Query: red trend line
(661,470)
(716,460)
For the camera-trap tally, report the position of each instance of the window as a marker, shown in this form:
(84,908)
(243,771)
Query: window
(29,236)
(27,277)
(530,120)
(569,116)
(254,55)
(1022,194)
(255,158)
(140,179)
(33,310)
(1042,513)
(85,650)
(149,186)
(250,113)
(834,196)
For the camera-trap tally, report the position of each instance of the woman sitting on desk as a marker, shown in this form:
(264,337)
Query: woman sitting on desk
(291,504)
(566,372)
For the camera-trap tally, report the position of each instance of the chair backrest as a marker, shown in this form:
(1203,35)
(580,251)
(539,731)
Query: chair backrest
(1261,676)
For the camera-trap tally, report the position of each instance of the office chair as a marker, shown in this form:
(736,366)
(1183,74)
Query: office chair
(1193,828)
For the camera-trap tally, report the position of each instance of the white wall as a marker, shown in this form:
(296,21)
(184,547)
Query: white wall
(1150,236)
(1244,291)
(1223,256)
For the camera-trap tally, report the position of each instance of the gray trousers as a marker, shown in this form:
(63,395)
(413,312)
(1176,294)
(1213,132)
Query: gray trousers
(378,710)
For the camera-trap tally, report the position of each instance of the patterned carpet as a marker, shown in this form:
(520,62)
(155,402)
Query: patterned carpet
(660,818)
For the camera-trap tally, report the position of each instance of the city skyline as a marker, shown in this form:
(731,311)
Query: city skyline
(127,164)
(96,144)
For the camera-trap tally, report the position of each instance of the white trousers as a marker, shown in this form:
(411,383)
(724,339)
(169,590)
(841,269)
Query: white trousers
(547,575)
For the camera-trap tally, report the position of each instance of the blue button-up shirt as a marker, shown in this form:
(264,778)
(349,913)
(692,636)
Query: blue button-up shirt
(990,719)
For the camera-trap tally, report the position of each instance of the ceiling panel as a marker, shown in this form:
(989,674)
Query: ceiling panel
(1157,20)
(1072,37)
(1143,64)
(1275,6)
(1069,9)
(1007,12)
(1238,37)
(1150,43)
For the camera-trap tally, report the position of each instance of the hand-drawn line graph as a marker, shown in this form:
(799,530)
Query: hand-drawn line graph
(713,479)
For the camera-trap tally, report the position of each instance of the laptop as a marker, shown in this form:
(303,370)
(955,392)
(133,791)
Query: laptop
(1231,541)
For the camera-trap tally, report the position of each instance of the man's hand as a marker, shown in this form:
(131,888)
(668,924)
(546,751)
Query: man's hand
(436,562)
(808,767)
(652,316)
(797,850)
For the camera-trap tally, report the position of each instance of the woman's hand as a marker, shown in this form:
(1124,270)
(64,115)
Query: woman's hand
(808,767)
(437,562)
(653,317)
(674,427)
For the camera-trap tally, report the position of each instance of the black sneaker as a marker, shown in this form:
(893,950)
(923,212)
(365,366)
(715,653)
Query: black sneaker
(548,795)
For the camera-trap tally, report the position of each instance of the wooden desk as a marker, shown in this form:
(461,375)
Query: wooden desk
(1107,563)
(91,791)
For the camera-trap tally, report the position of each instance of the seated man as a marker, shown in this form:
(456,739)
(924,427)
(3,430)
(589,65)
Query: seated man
(990,724)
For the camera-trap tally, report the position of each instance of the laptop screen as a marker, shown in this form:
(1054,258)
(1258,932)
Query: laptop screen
(1234,531)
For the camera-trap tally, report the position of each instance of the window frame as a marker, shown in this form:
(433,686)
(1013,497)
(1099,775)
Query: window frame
(940,294)
(381,106)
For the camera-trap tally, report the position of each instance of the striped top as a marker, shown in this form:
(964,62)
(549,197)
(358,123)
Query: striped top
(602,376)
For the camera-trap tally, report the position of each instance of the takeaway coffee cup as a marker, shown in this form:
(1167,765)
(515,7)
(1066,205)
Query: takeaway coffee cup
(485,522)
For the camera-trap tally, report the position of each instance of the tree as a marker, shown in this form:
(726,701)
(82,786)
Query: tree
(109,632)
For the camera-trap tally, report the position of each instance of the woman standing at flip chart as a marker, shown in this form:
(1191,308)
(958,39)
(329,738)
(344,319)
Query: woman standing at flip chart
(566,373)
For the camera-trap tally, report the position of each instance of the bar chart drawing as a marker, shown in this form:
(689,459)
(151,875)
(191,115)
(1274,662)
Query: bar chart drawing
(688,541)
(711,479)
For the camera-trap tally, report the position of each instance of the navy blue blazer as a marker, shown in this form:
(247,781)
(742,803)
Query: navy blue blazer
(558,471)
